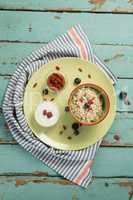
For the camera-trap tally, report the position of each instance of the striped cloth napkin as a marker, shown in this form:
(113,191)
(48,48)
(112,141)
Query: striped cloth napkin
(73,165)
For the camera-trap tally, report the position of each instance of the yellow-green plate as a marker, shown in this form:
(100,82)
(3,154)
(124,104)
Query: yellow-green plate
(56,136)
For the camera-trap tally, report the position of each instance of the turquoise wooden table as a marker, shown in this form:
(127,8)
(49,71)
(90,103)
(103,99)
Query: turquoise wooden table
(27,25)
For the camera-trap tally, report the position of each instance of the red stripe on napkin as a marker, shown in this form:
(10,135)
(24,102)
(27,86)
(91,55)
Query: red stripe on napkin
(84,172)
(79,42)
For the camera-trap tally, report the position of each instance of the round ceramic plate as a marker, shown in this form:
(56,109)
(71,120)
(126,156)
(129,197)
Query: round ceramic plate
(61,135)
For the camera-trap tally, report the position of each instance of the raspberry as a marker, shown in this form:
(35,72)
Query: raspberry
(49,114)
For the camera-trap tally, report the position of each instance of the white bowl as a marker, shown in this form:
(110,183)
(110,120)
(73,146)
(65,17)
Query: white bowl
(42,119)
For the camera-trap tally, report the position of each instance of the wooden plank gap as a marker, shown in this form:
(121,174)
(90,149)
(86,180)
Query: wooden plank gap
(104,144)
(35,173)
(68,10)
(41,42)
(18,41)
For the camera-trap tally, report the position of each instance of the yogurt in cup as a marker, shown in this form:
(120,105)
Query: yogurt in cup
(46,114)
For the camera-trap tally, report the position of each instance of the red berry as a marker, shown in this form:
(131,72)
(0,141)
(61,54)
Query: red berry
(49,114)
(44,112)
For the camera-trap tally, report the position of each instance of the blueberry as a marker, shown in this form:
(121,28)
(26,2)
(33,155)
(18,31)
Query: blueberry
(75,126)
(67,108)
(76,132)
(77,81)
(45,91)
(86,106)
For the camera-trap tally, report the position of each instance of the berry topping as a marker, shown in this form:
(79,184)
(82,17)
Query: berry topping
(90,101)
(75,126)
(44,112)
(67,108)
(77,81)
(56,81)
(49,114)
(76,132)
(86,106)
(45,91)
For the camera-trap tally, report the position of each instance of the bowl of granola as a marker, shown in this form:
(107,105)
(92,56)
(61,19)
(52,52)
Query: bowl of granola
(89,104)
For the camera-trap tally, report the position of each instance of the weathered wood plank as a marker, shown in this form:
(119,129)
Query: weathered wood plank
(106,158)
(50,188)
(70,5)
(120,134)
(118,59)
(44,26)
(21,158)
(54,188)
